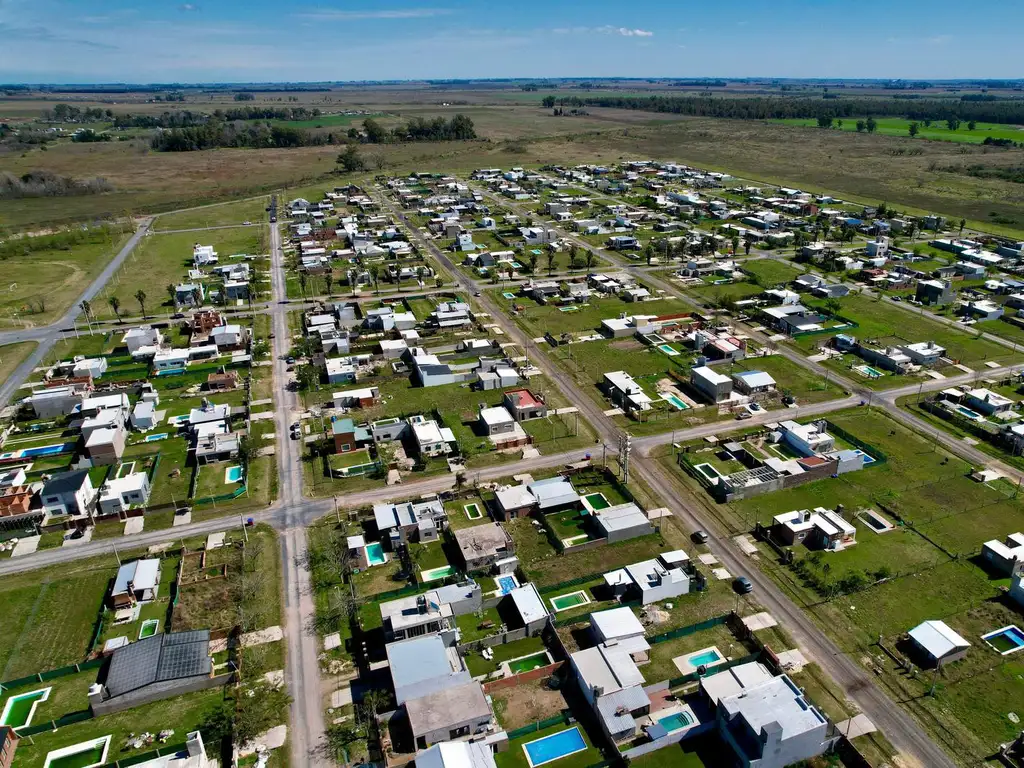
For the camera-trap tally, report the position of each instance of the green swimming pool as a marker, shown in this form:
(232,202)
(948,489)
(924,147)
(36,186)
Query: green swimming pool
(149,628)
(433,574)
(597,501)
(570,600)
(528,663)
(18,710)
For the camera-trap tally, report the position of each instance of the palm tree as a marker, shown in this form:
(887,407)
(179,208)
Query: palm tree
(115,304)
(329,281)
(374,270)
(140,296)
(589,259)
(173,293)
(532,260)
(551,261)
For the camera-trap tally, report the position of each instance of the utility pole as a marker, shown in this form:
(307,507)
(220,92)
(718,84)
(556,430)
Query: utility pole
(244,531)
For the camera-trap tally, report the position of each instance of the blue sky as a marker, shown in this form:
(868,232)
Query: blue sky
(87,41)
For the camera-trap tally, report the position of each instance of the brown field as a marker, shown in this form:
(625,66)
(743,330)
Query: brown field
(870,168)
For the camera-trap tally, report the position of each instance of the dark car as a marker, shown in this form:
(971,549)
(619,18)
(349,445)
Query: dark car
(290,360)
(742,585)
(700,537)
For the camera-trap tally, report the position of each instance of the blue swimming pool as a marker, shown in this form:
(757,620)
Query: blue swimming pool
(679,404)
(968,413)
(46,450)
(705,658)
(170,372)
(1006,640)
(867,459)
(375,554)
(507,584)
(154,438)
(233,475)
(555,746)
(676,721)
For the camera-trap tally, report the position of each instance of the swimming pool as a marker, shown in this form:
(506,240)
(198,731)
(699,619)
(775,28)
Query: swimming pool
(375,554)
(154,438)
(570,600)
(44,450)
(867,370)
(708,471)
(554,747)
(968,413)
(679,404)
(668,350)
(528,663)
(506,584)
(705,657)
(867,459)
(508,295)
(472,511)
(1006,640)
(233,474)
(148,628)
(433,574)
(676,721)
(568,309)
(170,372)
(83,755)
(596,501)
(18,710)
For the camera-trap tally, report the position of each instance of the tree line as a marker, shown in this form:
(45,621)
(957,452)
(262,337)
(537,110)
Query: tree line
(48,184)
(187,118)
(217,133)
(1007,111)
(459,128)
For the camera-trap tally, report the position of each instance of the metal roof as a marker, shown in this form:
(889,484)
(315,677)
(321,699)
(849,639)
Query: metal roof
(159,658)
(143,574)
(616,623)
(528,602)
(937,638)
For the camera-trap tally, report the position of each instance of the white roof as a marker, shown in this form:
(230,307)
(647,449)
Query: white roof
(775,703)
(457,754)
(616,623)
(937,638)
(528,602)
(515,497)
(143,574)
(496,415)
(709,375)
(755,379)
(427,432)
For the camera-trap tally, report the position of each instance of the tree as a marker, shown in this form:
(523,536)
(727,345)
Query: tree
(649,253)
(551,260)
(172,292)
(374,270)
(861,126)
(140,296)
(839,123)
(86,308)
(971,125)
(870,124)
(589,260)
(963,223)
(350,160)
(329,281)
(746,246)
(303,280)
(308,376)
(248,450)
(735,243)
(913,129)
(825,121)
(115,305)
(197,296)
(953,123)
(532,260)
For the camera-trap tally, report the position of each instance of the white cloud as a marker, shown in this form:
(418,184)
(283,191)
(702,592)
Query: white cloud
(607,29)
(188,7)
(328,14)
(627,32)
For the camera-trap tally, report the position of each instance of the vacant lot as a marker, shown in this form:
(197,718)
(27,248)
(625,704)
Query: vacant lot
(224,214)
(937,131)
(537,319)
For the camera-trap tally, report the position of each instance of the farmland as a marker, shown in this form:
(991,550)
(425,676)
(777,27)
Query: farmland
(937,131)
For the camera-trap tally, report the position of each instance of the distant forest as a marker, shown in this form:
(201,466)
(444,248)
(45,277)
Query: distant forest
(978,108)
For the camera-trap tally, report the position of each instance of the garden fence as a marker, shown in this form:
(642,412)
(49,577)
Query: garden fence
(222,497)
(53,725)
(689,629)
(569,583)
(876,453)
(675,682)
(540,725)
(51,674)
(162,751)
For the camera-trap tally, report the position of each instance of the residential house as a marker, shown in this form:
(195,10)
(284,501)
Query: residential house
(429,613)
(119,494)
(651,581)
(938,643)
(483,547)
(981,310)
(106,445)
(624,392)
(137,581)
(340,370)
(1004,555)
(554,494)
(189,295)
(409,521)
(923,352)
(934,292)
(431,439)
(715,386)
(820,529)
(987,402)
(621,522)
(141,339)
(495,421)
(454,754)
(229,337)
(347,436)
(524,405)
(807,439)
(365,397)
(754,382)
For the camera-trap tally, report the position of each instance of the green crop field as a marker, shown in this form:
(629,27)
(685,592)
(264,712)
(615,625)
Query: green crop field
(937,131)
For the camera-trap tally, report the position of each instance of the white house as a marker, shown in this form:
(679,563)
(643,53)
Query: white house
(228,336)
(144,336)
(431,439)
(122,493)
(69,493)
(807,439)
(939,643)
(144,416)
(657,579)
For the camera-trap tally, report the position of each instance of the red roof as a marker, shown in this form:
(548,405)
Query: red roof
(812,461)
(526,398)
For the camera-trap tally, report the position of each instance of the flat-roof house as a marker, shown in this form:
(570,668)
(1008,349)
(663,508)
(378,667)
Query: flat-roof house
(119,494)
(715,386)
(554,494)
(651,580)
(753,382)
(137,581)
(340,370)
(625,392)
(429,613)
(529,607)
(409,521)
(524,405)
(431,439)
(818,529)
(1004,555)
(769,724)
(495,421)
(982,310)
(939,292)
(69,493)
(482,546)
(158,667)
(364,397)
(938,642)
(144,415)
(56,401)
(141,337)
(347,435)
(988,402)
(621,522)
(923,352)
(457,754)
(807,439)
(514,501)
(106,445)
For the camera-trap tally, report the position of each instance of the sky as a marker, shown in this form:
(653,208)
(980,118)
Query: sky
(148,41)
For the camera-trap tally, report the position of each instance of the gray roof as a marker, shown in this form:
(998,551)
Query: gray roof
(423,665)
(457,754)
(553,492)
(66,482)
(528,602)
(446,707)
(160,658)
(142,574)
(629,699)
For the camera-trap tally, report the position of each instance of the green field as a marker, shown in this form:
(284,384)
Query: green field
(771,272)
(937,131)
(221,215)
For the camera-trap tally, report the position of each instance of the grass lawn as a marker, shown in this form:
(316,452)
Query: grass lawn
(886,321)
(50,615)
(590,561)
(791,379)
(39,286)
(478,665)
(661,666)
(214,215)
(937,131)
(515,757)
(771,272)
(13,355)
(472,626)
(182,713)
(714,295)
(536,319)
(164,259)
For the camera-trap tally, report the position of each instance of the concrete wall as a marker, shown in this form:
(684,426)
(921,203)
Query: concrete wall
(523,677)
(157,692)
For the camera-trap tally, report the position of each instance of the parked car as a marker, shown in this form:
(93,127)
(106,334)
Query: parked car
(290,360)
(743,585)
(743,415)
(700,537)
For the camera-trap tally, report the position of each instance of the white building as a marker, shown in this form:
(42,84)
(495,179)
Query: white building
(807,439)
(625,392)
(432,440)
(715,386)
(140,338)
(122,493)
(657,579)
